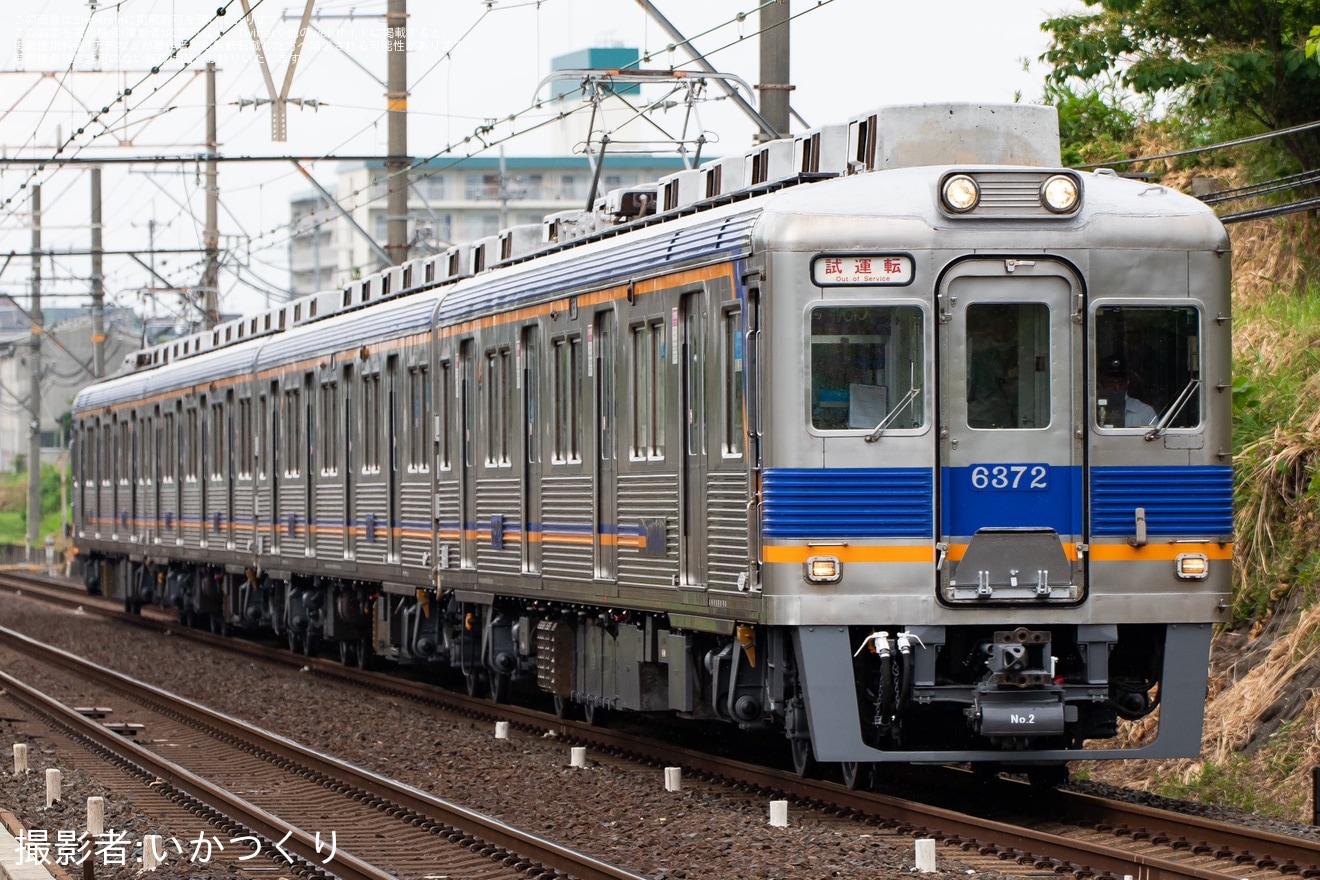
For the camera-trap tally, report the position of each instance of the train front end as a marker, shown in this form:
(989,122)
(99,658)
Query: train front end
(996,498)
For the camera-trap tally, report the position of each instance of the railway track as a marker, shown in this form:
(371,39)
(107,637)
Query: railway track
(1063,832)
(322,816)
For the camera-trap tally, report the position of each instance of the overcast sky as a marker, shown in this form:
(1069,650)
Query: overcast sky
(470,61)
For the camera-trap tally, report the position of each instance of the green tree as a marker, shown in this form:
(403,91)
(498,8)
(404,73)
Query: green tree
(1242,62)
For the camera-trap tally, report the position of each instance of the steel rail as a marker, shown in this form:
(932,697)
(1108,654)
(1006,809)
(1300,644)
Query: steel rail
(500,834)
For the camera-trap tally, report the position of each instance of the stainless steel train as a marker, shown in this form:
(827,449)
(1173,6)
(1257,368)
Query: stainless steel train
(896,437)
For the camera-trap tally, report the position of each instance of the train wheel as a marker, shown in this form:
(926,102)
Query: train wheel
(346,652)
(294,642)
(475,682)
(310,643)
(595,714)
(500,684)
(856,775)
(804,763)
(365,656)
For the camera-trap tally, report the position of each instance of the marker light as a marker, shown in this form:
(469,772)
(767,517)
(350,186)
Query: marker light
(1059,193)
(1192,566)
(823,570)
(961,194)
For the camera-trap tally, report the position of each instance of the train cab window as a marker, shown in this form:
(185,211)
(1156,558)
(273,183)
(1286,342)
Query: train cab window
(1008,356)
(866,360)
(1147,367)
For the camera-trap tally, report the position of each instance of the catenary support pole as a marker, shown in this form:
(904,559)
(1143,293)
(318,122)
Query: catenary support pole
(396,95)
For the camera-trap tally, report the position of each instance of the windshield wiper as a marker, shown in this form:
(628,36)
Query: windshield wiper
(1174,409)
(893,414)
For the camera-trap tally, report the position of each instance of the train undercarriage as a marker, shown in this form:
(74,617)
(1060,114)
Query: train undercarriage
(972,691)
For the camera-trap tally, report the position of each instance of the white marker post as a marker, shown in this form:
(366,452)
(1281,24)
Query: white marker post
(926,855)
(152,846)
(673,778)
(95,816)
(52,786)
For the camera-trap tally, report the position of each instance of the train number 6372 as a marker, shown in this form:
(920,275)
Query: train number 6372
(1022,477)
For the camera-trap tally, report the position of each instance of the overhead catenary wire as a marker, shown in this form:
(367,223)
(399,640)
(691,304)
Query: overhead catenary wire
(127,91)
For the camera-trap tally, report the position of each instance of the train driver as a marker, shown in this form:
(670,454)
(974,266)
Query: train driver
(1113,397)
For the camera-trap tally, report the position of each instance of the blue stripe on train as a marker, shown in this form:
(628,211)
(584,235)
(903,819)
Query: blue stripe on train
(1177,500)
(899,502)
(847,503)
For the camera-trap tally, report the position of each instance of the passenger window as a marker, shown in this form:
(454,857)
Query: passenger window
(867,361)
(1148,366)
(1008,356)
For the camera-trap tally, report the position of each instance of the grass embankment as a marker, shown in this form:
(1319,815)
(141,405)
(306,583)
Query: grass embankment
(13,508)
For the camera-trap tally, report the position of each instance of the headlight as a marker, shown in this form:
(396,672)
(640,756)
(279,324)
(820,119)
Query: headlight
(1192,566)
(823,570)
(960,194)
(1059,193)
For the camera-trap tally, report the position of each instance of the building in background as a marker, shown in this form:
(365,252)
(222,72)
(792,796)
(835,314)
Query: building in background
(66,366)
(454,200)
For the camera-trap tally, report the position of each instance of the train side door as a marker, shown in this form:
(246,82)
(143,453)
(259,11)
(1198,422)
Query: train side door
(350,462)
(529,377)
(606,431)
(394,475)
(467,414)
(691,318)
(1011,413)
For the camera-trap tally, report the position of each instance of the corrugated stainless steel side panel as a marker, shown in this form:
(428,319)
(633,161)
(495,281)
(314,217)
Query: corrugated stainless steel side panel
(446,521)
(371,542)
(190,514)
(106,514)
(292,541)
(567,546)
(148,528)
(328,532)
(415,522)
(648,496)
(726,529)
(499,497)
(171,534)
(245,539)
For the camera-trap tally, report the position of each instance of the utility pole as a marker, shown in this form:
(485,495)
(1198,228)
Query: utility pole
(98,280)
(211,237)
(34,391)
(774,86)
(396,96)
